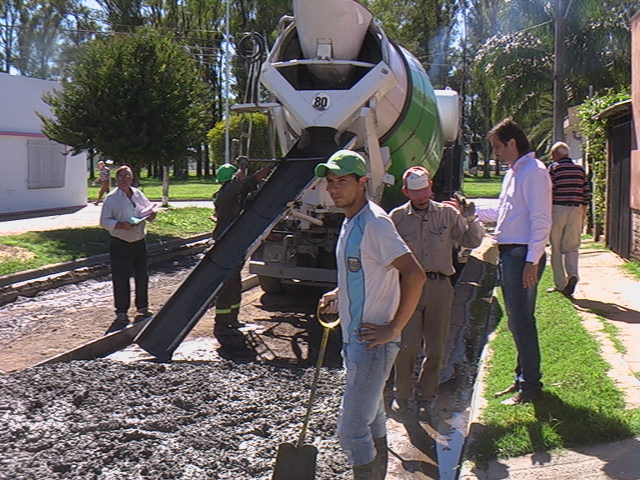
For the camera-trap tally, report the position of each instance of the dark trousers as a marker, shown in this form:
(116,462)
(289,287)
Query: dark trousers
(129,259)
(228,301)
(520,303)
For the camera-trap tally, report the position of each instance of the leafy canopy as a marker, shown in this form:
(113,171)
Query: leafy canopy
(136,98)
(257,122)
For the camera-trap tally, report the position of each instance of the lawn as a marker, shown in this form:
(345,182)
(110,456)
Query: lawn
(54,246)
(479,187)
(581,404)
(632,267)
(190,189)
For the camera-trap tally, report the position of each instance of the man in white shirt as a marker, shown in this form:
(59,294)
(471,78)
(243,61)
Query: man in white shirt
(379,285)
(124,214)
(522,231)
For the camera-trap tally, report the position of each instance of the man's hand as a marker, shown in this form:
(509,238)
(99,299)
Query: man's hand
(377,334)
(124,225)
(529,275)
(329,303)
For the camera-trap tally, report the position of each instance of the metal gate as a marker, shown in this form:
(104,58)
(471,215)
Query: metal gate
(619,210)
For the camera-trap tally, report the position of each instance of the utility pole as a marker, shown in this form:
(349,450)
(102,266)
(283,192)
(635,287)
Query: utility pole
(227,83)
(559,73)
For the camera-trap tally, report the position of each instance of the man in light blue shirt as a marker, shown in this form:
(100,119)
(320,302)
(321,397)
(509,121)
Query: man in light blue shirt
(379,285)
(522,231)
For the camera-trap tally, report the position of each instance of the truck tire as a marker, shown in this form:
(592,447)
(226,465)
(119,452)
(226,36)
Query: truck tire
(270,284)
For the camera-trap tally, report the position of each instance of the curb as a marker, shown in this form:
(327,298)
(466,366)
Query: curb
(467,467)
(29,282)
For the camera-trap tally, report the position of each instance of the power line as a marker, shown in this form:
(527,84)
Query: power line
(109,32)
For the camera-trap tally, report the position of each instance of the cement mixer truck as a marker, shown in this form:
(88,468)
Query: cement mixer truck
(333,66)
(335,81)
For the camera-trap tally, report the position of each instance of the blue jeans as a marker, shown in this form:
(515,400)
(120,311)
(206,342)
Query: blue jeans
(521,305)
(362,415)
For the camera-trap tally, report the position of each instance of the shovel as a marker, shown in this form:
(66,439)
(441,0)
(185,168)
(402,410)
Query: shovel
(298,462)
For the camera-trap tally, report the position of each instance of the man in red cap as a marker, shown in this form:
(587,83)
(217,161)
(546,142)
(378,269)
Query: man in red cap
(431,229)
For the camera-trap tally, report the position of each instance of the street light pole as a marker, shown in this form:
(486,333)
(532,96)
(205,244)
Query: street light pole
(227,83)
(559,74)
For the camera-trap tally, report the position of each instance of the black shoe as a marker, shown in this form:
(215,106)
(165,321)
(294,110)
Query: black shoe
(510,389)
(570,288)
(521,398)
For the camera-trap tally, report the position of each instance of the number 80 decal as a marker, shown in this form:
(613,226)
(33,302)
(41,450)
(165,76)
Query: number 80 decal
(321,101)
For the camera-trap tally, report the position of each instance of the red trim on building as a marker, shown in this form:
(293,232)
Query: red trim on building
(22,134)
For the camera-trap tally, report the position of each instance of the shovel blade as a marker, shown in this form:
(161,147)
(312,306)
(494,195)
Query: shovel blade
(295,463)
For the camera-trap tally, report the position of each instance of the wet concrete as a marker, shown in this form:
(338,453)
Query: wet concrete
(107,420)
(228,404)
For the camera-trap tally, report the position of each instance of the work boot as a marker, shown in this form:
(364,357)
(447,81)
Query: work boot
(366,472)
(382,456)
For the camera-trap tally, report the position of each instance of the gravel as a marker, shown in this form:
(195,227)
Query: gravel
(104,420)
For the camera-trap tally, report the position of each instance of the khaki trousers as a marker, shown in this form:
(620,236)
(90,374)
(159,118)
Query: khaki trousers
(428,328)
(566,228)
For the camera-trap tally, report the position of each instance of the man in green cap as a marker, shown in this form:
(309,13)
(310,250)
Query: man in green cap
(379,285)
(229,202)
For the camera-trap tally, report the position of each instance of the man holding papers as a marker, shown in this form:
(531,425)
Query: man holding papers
(125,212)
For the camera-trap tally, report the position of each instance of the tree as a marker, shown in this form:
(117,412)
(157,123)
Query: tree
(259,147)
(513,67)
(136,98)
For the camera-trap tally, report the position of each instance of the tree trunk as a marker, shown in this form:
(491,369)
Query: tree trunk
(199,162)
(165,186)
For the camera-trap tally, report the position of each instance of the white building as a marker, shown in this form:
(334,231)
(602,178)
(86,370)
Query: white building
(36,174)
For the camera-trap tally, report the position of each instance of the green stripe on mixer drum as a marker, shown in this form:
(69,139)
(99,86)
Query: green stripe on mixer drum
(417,139)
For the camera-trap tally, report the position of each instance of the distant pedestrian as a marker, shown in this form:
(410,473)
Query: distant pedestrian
(229,202)
(104,179)
(522,231)
(379,285)
(124,214)
(571,195)
(432,230)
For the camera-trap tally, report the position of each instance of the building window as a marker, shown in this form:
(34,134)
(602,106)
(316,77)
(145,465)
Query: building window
(47,164)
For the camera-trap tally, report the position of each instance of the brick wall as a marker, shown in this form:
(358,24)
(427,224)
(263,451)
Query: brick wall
(635,235)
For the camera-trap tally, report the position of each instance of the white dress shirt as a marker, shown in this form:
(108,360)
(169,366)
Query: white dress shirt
(524,213)
(118,207)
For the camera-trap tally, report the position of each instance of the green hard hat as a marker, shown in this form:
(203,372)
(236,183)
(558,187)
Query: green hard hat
(225,172)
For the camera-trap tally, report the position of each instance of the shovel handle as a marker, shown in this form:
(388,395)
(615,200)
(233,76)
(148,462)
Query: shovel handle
(316,375)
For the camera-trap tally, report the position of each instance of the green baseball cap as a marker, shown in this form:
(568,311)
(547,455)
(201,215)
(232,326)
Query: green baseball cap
(225,172)
(343,162)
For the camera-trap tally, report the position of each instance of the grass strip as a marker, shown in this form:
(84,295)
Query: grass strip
(613,333)
(480,187)
(37,249)
(188,189)
(633,268)
(581,405)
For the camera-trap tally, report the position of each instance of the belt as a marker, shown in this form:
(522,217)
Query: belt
(503,247)
(436,276)
(568,204)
